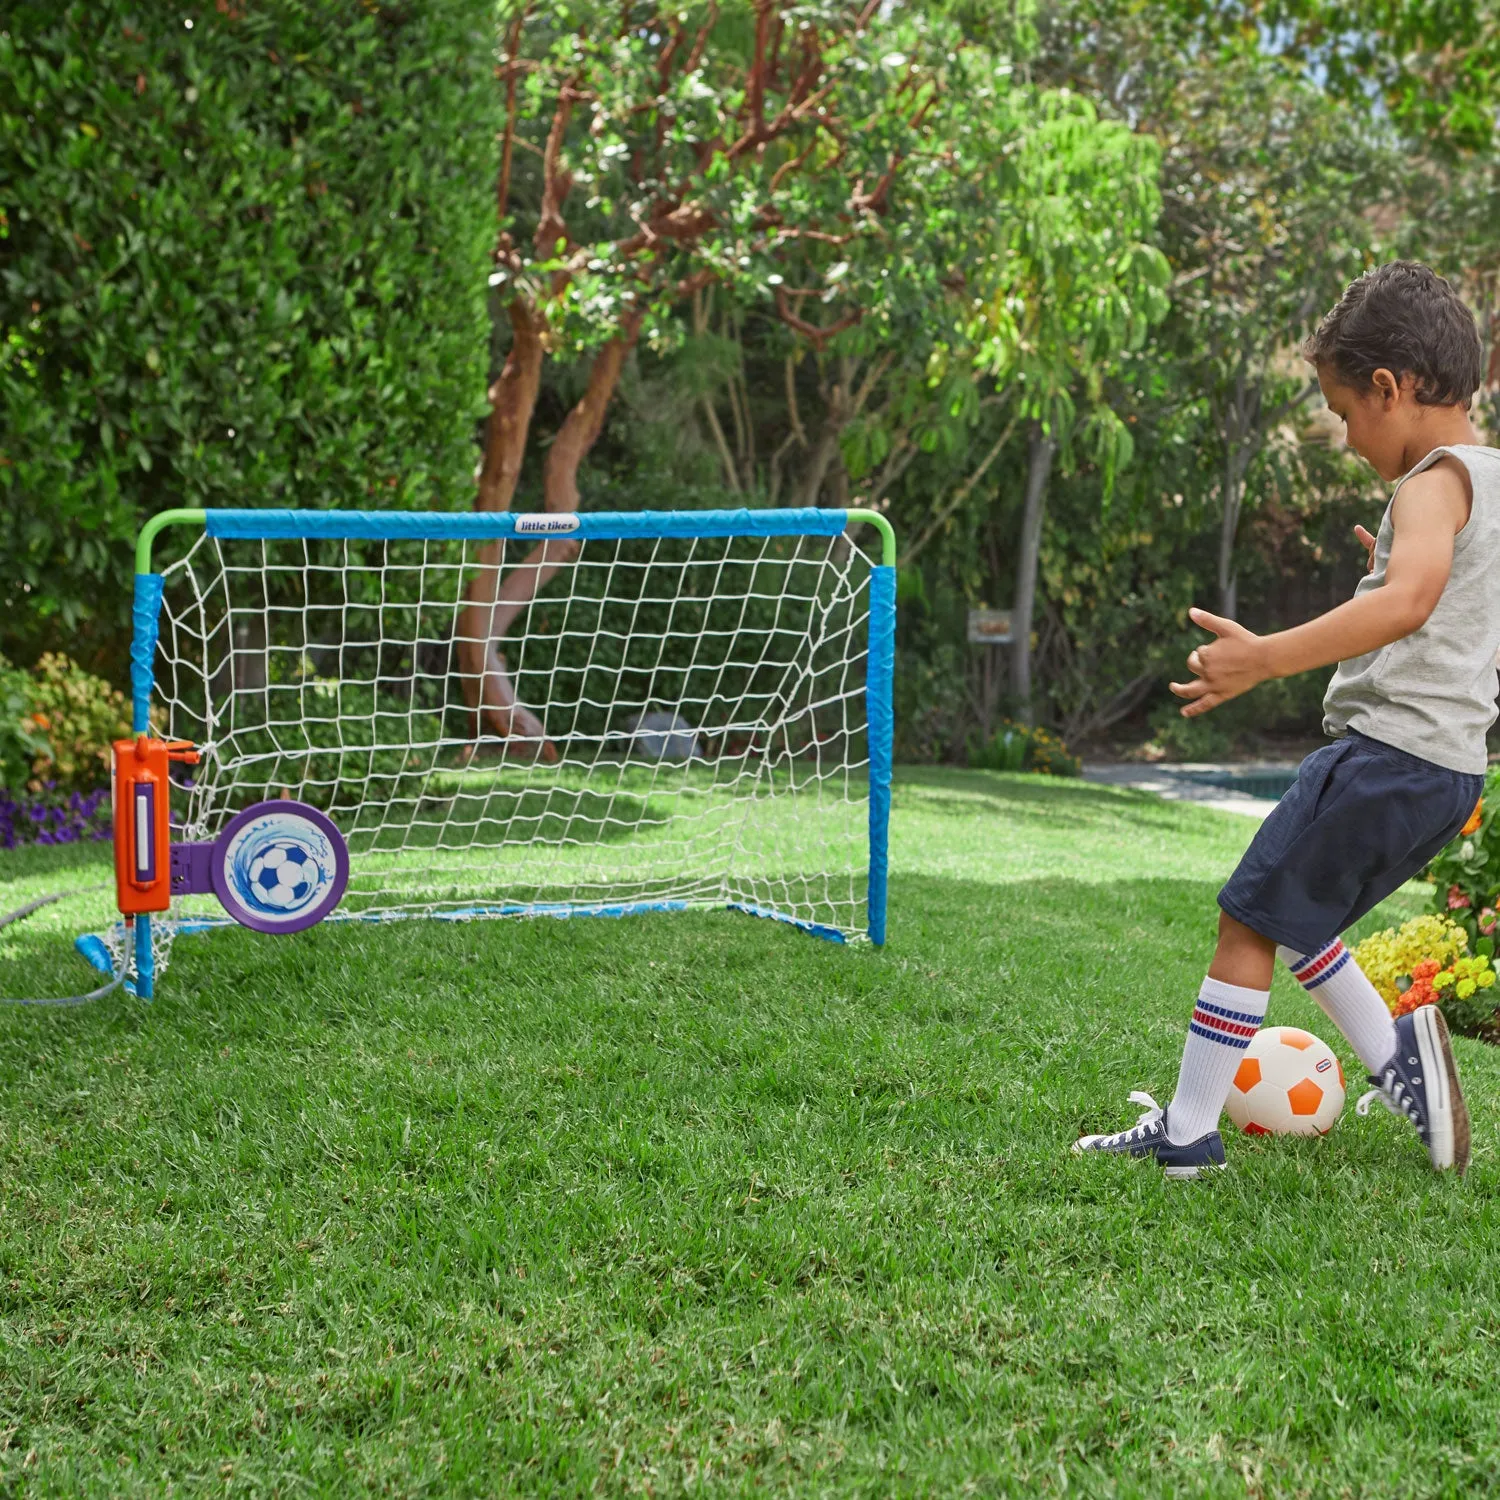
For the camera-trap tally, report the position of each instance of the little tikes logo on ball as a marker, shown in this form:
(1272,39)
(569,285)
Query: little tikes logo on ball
(1325,1064)
(545,525)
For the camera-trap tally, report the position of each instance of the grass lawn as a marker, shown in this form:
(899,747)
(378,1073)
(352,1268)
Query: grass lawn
(696,1204)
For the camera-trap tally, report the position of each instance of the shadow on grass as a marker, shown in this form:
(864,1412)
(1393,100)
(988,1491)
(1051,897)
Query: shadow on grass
(947,935)
(1054,800)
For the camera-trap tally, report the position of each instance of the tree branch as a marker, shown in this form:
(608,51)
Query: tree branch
(794,415)
(512,47)
(962,493)
(701,41)
(818,336)
(556,183)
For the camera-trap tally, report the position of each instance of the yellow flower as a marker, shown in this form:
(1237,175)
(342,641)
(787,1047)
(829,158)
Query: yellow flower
(1391,955)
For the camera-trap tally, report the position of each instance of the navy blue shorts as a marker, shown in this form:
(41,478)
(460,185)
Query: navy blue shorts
(1362,819)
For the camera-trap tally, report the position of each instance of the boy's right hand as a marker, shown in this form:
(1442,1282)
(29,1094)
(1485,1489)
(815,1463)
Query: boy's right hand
(1368,543)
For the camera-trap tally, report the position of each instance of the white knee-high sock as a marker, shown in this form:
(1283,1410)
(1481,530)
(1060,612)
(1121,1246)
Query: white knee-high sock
(1350,1001)
(1224,1020)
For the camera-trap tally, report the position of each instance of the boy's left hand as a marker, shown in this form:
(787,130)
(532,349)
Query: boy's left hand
(1224,668)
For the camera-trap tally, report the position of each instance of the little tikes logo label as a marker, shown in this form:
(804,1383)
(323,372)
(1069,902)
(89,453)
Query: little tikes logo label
(1325,1065)
(545,525)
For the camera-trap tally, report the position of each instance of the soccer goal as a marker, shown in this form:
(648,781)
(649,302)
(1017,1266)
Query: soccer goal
(692,711)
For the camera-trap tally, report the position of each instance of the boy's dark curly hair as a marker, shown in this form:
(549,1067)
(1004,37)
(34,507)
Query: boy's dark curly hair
(1407,319)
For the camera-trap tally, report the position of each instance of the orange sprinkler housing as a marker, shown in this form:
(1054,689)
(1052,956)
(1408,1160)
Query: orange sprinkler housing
(143,859)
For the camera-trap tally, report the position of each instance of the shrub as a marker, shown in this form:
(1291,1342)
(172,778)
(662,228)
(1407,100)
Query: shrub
(1018,747)
(81,715)
(22,738)
(1467,872)
(1428,961)
(1201,738)
(244,257)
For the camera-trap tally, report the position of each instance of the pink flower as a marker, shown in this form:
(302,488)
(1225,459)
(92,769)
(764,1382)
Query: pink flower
(1488,920)
(1456,899)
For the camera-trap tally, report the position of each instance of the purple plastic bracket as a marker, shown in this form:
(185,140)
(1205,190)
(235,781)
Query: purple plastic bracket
(193,869)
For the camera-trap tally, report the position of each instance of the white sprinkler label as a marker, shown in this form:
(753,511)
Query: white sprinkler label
(545,525)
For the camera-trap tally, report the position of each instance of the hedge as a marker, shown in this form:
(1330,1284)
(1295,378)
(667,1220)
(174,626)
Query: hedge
(243,260)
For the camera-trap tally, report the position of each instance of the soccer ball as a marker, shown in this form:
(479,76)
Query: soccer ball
(1288,1083)
(284,876)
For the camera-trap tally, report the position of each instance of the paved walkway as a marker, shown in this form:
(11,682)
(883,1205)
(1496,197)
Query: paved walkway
(1183,783)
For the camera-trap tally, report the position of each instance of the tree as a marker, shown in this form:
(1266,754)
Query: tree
(1268,187)
(1080,286)
(642,161)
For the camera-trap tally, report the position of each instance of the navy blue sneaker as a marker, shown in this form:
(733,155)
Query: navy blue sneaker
(1148,1137)
(1421,1082)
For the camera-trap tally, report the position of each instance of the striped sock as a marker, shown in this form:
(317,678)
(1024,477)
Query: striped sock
(1349,1000)
(1224,1020)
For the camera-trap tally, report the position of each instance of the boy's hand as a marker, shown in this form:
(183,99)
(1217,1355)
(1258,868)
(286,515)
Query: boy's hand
(1225,668)
(1368,543)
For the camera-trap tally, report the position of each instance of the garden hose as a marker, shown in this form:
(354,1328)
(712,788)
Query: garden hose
(103,990)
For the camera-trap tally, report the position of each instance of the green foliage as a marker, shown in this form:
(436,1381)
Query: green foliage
(81,715)
(22,739)
(1020,747)
(1077,281)
(242,262)
(351,745)
(1202,738)
(1467,872)
(1435,65)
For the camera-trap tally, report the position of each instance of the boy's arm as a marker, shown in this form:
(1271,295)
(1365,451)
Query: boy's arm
(1430,510)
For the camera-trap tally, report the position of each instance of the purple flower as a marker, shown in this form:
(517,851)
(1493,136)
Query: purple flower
(50,818)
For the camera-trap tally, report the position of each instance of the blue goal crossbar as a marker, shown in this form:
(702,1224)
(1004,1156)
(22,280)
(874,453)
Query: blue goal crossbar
(395,526)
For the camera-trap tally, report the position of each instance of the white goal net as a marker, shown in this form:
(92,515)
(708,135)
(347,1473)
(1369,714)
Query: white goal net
(699,708)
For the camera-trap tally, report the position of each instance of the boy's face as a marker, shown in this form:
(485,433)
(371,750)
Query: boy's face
(1377,423)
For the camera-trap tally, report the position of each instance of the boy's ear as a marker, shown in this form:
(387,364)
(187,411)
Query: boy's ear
(1388,386)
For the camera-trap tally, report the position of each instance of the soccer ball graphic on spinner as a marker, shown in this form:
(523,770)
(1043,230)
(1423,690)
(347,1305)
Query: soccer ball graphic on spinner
(1288,1083)
(284,876)
(279,866)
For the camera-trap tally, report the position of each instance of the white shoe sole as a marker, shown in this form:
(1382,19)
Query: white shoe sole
(1187,1174)
(1448,1116)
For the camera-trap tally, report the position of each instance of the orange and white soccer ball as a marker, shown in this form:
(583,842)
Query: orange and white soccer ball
(1288,1083)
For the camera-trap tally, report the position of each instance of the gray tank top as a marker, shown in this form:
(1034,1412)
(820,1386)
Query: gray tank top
(1432,693)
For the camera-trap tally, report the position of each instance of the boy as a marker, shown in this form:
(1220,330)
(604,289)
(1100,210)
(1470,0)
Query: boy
(1398,360)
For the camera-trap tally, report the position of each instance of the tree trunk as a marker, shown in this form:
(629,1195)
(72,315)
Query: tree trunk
(826,449)
(1240,426)
(1228,576)
(1040,450)
(492,603)
(512,401)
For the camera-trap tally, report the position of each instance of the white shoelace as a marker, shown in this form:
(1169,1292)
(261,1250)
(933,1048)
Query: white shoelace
(1401,1104)
(1153,1113)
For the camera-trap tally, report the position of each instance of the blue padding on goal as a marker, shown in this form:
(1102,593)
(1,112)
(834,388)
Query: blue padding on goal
(817,929)
(145,610)
(880,717)
(423,526)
